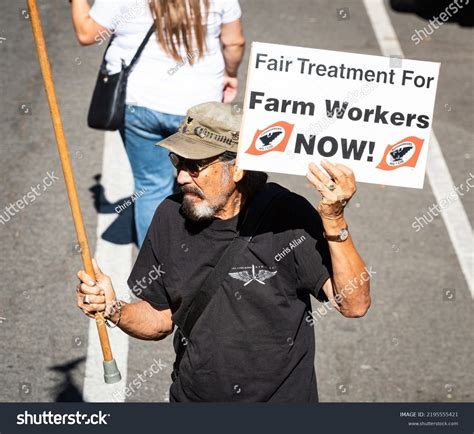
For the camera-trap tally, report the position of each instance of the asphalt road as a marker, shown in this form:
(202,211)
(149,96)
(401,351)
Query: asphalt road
(415,344)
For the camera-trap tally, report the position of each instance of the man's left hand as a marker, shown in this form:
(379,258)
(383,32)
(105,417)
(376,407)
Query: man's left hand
(336,189)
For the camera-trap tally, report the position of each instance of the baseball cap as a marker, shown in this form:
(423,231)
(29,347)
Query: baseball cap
(208,130)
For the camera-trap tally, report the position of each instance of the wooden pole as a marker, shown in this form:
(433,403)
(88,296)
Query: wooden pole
(66,165)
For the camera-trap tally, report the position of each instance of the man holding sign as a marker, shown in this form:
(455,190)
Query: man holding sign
(237,260)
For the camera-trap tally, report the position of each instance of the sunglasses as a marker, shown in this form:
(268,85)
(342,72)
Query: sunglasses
(193,167)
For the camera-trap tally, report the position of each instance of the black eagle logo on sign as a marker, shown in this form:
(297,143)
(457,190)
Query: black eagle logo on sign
(398,153)
(267,139)
(258,276)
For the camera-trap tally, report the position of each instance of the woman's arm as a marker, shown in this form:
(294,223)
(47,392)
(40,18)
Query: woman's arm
(233,46)
(88,31)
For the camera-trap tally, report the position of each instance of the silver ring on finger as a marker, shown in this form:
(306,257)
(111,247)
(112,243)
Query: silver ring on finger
(85,299)
(331,186)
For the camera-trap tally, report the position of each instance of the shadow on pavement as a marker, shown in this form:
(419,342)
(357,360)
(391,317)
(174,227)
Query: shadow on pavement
(67,391)
(122,230)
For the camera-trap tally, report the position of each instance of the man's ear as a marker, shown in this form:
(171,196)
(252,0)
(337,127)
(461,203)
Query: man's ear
(237,174)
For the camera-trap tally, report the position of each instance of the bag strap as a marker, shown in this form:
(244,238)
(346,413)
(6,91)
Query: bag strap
(137,54)
(141,47)
(254,216)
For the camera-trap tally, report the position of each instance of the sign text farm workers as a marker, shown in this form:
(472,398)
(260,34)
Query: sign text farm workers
(371,113)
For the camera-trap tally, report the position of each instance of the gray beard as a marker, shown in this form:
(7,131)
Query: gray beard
(200,212)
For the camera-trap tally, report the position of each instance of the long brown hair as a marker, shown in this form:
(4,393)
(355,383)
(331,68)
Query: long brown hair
(179,23)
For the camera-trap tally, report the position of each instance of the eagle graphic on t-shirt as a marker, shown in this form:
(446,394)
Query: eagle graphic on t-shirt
(258,276)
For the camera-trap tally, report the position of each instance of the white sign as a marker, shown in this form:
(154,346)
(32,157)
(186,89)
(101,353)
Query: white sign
(371,113)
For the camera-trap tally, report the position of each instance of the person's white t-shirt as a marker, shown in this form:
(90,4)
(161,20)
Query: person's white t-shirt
(158,81)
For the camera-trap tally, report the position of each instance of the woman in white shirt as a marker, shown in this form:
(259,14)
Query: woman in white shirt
(182,65)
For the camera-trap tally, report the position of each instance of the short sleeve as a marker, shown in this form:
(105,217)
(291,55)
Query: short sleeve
(146,280)
(230,11)
(104,12)
(312,256)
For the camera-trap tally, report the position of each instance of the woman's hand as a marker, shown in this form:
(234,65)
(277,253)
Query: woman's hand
(95,294)
(230,88)
(336,189)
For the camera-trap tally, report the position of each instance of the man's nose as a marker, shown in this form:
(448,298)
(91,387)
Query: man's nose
(184,177)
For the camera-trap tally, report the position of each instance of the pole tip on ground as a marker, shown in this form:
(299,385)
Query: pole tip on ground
(111,372)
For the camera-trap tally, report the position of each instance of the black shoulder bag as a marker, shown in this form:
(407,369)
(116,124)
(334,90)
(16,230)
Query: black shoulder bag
(107,109)
(260,205)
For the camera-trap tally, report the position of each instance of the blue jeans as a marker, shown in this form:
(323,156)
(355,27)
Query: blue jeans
(153,172)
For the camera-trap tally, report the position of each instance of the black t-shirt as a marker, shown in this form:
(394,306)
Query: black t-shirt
(252,343)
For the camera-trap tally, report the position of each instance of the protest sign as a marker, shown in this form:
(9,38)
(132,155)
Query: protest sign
(373,114)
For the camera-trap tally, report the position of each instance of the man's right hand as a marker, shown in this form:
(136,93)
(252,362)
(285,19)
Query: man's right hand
(99,292)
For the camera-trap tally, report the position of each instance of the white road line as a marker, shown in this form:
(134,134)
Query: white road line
(455,217)
(116,261)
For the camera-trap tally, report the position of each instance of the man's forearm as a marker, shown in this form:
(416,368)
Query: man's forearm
(350,277)
(142,321)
